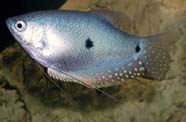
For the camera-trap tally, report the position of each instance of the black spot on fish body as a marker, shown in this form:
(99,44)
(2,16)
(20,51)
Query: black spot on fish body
(88,43)
(137,49)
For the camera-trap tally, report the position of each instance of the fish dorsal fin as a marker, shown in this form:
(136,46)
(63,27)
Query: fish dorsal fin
(125,73)
(117,19)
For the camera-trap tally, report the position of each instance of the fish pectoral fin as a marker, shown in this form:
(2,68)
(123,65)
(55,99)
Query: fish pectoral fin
(64,77)
(117,19)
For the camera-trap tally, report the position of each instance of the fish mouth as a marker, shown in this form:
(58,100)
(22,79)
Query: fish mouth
(11,28)
(9,23)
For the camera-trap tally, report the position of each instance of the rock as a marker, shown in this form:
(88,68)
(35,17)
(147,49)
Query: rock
(142,100)
(12,107)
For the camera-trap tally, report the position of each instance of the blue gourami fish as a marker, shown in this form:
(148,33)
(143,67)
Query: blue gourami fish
(90,48)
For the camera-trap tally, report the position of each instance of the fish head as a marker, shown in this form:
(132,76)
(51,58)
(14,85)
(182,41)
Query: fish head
(40,37)
(29,31)
(24,28)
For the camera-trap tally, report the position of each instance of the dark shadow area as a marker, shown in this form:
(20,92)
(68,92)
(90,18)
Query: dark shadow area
(9,8)
(73,96)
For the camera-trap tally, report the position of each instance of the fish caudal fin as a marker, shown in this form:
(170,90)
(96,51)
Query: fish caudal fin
(157,54)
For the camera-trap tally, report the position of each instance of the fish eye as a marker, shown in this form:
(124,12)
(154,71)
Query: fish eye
(20,25)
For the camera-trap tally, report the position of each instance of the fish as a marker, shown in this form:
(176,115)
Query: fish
(91,48)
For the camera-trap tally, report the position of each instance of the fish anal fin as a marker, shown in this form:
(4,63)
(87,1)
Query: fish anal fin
(126,73)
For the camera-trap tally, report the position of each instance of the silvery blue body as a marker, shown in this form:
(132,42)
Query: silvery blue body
(57,40)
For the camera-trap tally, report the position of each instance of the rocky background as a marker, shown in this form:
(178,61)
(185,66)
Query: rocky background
(28,95)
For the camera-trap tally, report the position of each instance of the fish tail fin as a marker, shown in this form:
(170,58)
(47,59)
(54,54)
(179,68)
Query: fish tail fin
(157,50)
